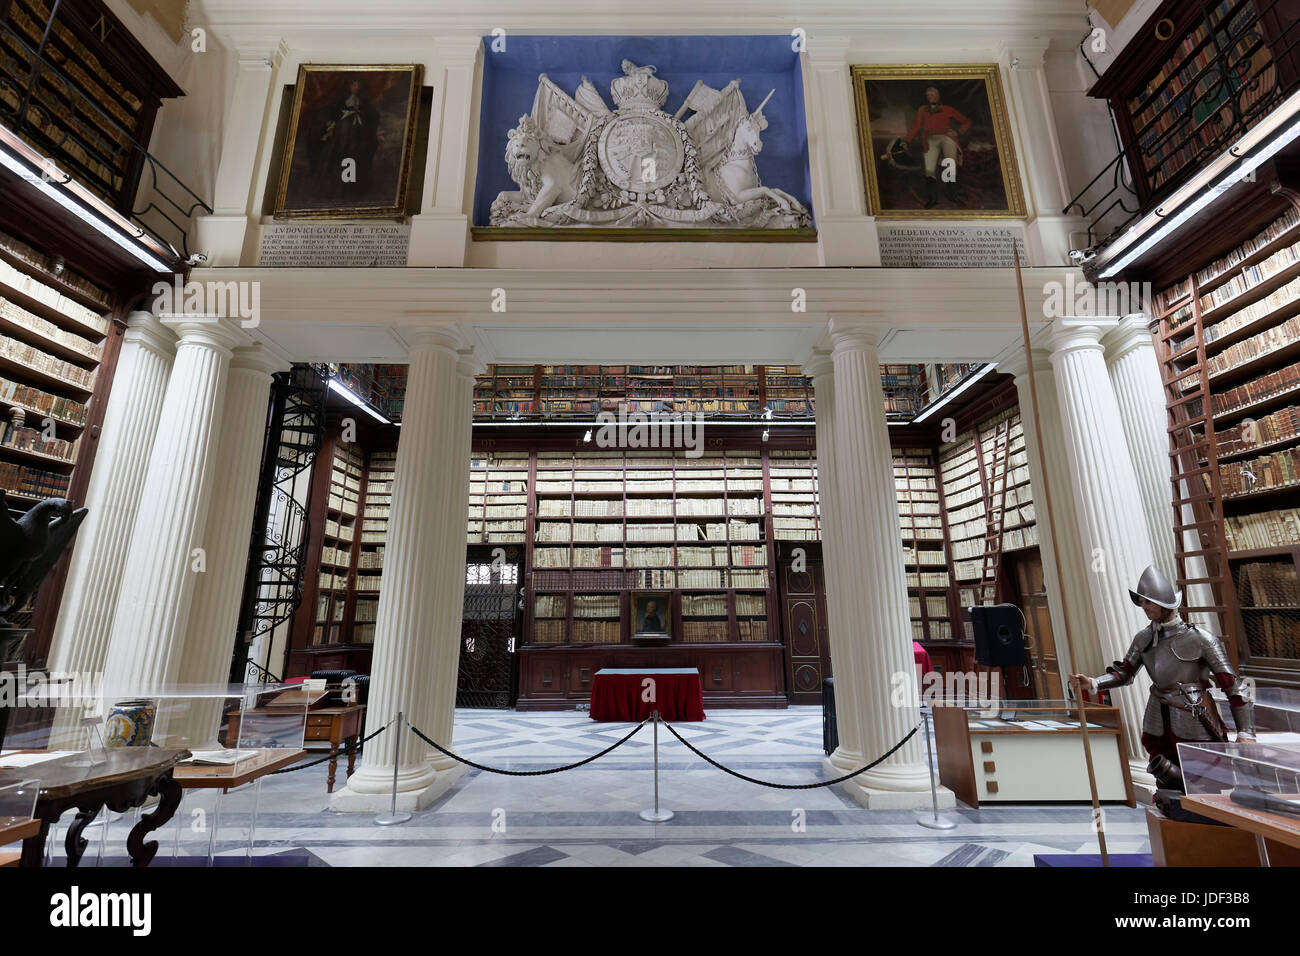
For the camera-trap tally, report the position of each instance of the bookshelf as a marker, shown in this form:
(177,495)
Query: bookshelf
(1198,76)
(53,340)
(93,107)
(1227,337)
(498,498)
(972,477)
(373,537)
(925,550)
(336,576)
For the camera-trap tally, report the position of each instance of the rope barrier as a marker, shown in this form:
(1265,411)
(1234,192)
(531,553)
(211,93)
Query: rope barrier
(794,786)
(354,749)
(525,773)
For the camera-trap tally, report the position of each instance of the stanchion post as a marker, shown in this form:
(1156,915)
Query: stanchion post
(936,822)
(656,815)
(393,817)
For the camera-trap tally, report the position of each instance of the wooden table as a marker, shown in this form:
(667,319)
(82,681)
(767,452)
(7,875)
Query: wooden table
(123,778)
(339,725)
(1282,827)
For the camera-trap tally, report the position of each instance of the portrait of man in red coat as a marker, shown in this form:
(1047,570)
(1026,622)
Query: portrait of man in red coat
(939,129)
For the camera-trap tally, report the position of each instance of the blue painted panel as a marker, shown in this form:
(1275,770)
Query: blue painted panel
(761,63)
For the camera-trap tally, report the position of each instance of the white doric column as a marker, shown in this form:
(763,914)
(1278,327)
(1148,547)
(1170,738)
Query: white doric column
(422,589)
(144,651)
(866,595)
(221,235)
(1048,233)
(440,232)
(847,235)
(1068,553)
(210,637)
(848,753)
(113,495)
(1135,377)
(1107,501)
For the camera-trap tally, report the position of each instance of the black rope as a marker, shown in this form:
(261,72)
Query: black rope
(353,749)
(526,773)
(795,786)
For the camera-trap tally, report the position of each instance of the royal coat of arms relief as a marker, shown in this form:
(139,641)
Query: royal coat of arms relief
(578,163)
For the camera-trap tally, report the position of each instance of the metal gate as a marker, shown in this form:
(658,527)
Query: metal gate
(489,634)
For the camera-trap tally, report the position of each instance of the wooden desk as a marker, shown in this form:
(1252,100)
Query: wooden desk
(125,778)
(1283,828)
(338,725)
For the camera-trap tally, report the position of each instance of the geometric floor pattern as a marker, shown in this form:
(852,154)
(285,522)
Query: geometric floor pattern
(589,816)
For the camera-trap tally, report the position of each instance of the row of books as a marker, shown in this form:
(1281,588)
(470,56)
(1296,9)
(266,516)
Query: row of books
(704,605)
(927,579)
(551,605)
(1268,584)
(371,559)
(1275,230)
(32,482)
(1267,341)
(1265,386)
(33,399)
(1277,470)
(34,358)
(47,294)
(34,440)
(1273,634)
(1279,426)
(1251,276)
(16,315)
(1255,312)
(704,632)
(940,630)
(1265,529)
(596,605)
(366,611)
(935,606)
(924,557)
(1190,43)
(334,530)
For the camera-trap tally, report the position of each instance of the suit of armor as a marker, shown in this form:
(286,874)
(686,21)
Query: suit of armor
(1180,658)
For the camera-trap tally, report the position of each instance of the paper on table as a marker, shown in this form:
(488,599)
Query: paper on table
(219,757)
(14,760)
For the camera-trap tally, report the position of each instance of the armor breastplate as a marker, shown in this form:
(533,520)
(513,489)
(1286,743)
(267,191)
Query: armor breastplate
(1178,657)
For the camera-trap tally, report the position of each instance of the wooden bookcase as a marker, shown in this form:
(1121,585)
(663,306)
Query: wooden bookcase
(95,115)
(1228,338)
(925,550)
(1196,76)
(53,337)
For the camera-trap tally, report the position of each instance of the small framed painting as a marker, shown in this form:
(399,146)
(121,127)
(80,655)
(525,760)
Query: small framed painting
(652,615)
(936,142)
(351,136)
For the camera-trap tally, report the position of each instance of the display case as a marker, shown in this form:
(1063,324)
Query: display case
(1017,751)
(1254,787)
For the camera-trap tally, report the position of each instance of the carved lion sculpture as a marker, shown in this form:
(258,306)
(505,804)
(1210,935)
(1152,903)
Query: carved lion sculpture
(546,175)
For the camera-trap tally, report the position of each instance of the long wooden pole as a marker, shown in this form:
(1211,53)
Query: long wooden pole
(1098,821)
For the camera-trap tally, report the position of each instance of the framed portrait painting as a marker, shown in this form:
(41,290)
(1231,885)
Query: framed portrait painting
(351,135)
(651,614)
(936,142)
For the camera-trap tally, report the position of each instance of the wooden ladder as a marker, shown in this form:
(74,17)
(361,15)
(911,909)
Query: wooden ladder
(1196,494)
(994,509)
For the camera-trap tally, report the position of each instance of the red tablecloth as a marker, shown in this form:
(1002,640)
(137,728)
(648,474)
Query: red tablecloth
(922,657)
(616,694)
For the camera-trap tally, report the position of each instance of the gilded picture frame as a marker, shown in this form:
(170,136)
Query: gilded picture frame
(350,142)
(935,142)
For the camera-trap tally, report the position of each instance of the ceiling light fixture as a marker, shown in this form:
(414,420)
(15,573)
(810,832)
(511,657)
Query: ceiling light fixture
(352,397)
(954,393)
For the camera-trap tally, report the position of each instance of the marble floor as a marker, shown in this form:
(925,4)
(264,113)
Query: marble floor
(589,816)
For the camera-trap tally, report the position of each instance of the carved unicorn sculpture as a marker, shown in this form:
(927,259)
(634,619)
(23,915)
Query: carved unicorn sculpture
(738,173)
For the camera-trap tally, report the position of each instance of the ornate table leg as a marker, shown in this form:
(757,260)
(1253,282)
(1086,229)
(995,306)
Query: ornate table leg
(334,755)
(74,844)
(170,792)
(352,754)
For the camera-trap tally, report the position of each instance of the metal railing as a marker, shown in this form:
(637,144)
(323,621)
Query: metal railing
(76,134)
(1227,83)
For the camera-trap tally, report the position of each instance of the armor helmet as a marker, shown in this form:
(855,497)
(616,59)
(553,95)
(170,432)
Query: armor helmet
(1155,587)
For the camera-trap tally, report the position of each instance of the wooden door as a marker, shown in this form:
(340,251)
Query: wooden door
(803,621)
(1031,596)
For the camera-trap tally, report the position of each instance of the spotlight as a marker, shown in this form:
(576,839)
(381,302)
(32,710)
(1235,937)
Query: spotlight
(767,413)
(766,434)
(197,259)
(587,437)
(1080,256)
